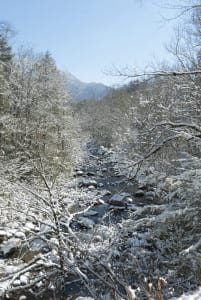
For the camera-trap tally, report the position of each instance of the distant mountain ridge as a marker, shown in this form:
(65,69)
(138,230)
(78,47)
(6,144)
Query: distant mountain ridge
(80,91)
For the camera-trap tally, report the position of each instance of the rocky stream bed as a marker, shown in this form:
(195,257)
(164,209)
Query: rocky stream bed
(122,225)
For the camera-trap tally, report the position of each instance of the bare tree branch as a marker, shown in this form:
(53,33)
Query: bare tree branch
(176,125)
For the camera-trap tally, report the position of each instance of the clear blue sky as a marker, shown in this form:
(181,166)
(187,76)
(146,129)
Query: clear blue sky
(87,37)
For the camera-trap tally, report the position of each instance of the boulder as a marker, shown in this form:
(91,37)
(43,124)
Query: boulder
(90,173)
(100,201)
(97,239)
(87,183)
(132,207)
(85,222)
(29,226)
(90,213)
(129,200)
(23,280)
(20,235)
(16,283)
(22,297)
(12,231)
(91,187)
(39,245)
(150,194)
(118,199)
(116,253)
(45,228)
(53,243)
(79,173)
(101,150)
(11,247)
(139,193)
(105,193)
(36,246)
(3,235)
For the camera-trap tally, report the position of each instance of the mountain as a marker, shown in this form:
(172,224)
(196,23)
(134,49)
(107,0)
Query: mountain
(80,91)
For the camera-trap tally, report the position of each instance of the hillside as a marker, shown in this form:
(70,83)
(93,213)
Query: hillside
(80,91)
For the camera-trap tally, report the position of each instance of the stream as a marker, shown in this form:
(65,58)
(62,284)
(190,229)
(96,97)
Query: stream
(118,197)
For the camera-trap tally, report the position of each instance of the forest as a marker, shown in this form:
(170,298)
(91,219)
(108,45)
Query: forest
(100,200)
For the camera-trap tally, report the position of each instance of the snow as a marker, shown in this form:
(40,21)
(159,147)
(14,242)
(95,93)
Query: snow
(190,296)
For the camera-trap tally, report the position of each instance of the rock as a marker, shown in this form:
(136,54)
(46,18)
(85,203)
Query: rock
(90,173)
(116,207)
(20,235)
(9,235)
(53,257)
(29,226)
(132,207)
(39,284)
(51,287)
(126,195)
(116,254)
(22,297)
(3,235)
(11,247)
(129,200)
(45,228)
(171,184)
(149,199)
(38,245)
(16,282)
(90,213)
(97,239)
(23,279)
(79,173)
(53,243)
(150,194)
(142,186)
(105,193)
(85,222)
(117,174)
(100,184)
(12,231)
(104,232)
(101,150)
(87,183)
(107,296)
(118,200)
(84,298)
(139,193)
(84,236)
(101,201)
(92,182)
(91,187)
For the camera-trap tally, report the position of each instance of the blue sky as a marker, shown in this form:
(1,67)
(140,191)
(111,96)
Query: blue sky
(87,37)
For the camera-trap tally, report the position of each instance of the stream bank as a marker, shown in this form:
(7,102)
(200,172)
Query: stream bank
(120,225)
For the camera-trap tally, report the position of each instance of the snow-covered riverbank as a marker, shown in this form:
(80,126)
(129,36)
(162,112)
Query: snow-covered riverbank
(117,236)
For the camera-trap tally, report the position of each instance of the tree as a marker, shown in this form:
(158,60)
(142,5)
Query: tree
(5,59)
(40,120)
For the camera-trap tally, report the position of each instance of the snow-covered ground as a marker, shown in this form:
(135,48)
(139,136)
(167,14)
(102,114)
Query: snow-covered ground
(145,235)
